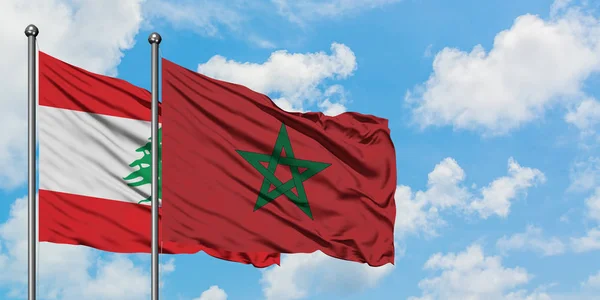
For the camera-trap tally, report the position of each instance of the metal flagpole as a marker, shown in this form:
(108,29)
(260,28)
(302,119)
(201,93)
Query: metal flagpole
(31,32)
(154,39)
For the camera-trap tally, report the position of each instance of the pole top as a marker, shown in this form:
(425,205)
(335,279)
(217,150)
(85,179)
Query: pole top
(154,38)
(31,30)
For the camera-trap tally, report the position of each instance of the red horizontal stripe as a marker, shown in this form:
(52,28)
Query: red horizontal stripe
(116,226)
(66,86)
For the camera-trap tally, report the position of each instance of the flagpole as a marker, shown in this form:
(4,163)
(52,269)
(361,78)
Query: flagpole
(31,32)
(154,39)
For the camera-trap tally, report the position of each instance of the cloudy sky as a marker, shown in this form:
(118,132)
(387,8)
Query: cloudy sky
(493,110)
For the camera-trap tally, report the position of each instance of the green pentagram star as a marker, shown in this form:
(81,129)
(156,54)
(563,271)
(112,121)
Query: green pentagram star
(311,169)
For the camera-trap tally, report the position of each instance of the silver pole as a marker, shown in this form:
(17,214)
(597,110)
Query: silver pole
(154,40)
(31,32)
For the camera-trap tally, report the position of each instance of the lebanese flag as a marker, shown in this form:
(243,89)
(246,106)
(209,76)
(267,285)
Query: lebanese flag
(94,172)
(240,173)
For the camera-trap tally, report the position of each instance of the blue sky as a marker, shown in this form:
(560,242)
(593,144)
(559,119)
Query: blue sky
(493,113)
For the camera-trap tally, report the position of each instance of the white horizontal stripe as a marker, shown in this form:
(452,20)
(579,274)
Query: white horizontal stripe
(89,154)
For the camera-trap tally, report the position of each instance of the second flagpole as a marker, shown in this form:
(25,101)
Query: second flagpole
(31,32)
(154,39)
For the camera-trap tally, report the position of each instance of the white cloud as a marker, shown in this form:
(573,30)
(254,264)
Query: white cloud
(420,212)
(118,278)
(427,52)
(496,196)
(524,295)
(204,16)
(592,204)
(487,278)
(532,66)
(286,105)
(301,274)
(585,175)
(444,189)
(593,282)
(261,42)
(301,11)
(167,267)
(415,214)
(89,276)
(585,116)
(559,6)
(532,239)
(590,242)
(292,79)
(335,98)
(74,31)
(331,109)
(213,293)
(214,18)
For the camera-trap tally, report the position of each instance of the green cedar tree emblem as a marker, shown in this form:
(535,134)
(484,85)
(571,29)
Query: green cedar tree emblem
(283,188)
(143,174)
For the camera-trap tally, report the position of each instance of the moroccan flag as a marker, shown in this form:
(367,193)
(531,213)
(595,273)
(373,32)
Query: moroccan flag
(94,165)
(243,175)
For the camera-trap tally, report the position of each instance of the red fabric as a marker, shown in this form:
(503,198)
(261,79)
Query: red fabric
(116,226)
(106,224)
(63,85)
(212,189)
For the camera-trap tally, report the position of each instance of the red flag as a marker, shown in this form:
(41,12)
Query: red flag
(95,165)
(241,174)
